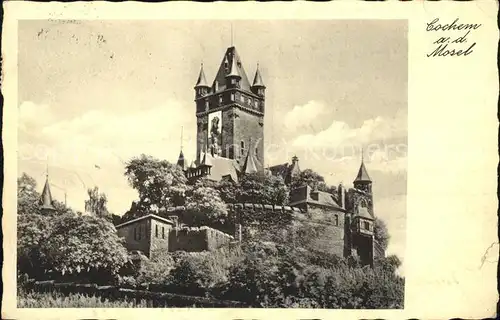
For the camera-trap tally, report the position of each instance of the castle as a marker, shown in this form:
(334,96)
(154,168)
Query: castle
(230,143)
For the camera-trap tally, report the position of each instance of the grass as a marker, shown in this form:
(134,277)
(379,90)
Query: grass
(58,300)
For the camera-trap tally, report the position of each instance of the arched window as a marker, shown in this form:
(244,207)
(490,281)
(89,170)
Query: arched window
(362,203)
(337,220)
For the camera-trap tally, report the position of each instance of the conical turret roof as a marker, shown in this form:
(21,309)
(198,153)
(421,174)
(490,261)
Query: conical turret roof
(231,63)
(233,72)
(46,198)
(181,161)
(362,174)
(202,80)
(257,80)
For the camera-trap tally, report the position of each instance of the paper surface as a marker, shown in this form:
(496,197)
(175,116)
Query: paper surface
(445,232)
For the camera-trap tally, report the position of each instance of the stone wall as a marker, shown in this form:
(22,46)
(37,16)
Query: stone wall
(197,239)
(136,235)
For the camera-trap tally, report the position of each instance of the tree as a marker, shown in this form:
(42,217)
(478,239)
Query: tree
(96,203)
(263,189)
(32,231)
(380,233)
(84,243)
(310,178)
(159,182)
(27,197)
(204,206)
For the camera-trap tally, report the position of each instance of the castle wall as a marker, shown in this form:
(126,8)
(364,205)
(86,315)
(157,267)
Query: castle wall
(197,239)
(332,238)
(136,235)
(159,236)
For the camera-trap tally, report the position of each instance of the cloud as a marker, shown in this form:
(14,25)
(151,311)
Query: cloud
(74,146)
(340,133)
(303,115)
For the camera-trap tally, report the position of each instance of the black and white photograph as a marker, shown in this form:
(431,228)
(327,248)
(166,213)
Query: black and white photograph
(227,164)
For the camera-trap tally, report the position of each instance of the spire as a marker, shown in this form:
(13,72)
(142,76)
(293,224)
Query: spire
(202,80)
(46,198)
(181,162)
(234,68)
(362,173)
(257,80)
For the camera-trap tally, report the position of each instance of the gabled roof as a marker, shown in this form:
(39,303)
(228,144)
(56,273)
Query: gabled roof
(202,80)
(257,80)
(363,213)
(149,216)
(306,194)
(362,174)
(230,55)
(46,198)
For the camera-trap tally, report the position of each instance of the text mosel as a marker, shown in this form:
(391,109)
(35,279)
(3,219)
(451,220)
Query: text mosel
(454,42)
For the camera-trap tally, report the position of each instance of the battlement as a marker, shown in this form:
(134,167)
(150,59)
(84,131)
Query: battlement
(262,207)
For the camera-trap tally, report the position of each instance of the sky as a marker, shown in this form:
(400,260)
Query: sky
(94,94)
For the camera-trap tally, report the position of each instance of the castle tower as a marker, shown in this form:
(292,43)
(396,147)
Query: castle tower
(230,113)
(363,181)
(46,201)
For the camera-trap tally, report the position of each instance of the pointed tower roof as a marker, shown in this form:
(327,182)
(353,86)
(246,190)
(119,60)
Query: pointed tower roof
(257,80)
(233,72)
(46,198)
(181,161)
(362,174)
(230,58)
(250,164)
(202,80)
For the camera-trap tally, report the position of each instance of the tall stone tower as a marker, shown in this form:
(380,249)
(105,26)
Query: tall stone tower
(230,112)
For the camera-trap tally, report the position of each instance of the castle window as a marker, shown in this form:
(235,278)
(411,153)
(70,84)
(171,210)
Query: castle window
(256,103)
(206,103)
(163,232)
(242,148)
(363,203)
(156,231)
(337,220)
(366,225)
(242,98)
(139,233)
(257,153)
(233,81)
(220,99)
(232,97)
(216,85)
(135,233)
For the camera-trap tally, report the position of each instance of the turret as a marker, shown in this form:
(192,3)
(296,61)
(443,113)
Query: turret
(233,77)
(341,195)
(363,181)
(202,88)
(46,201)
(258,86)
(181,161)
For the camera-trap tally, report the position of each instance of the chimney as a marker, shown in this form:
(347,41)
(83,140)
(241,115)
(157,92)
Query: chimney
(341,194)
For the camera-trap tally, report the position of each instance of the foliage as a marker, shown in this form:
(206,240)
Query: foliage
(204,206)
(310,178)
(96,203)
(380,233)
(157,270)
(264,189)
(32,232)
(76,300)
(79,243)
(27,197)
(159,182)
(273,275)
